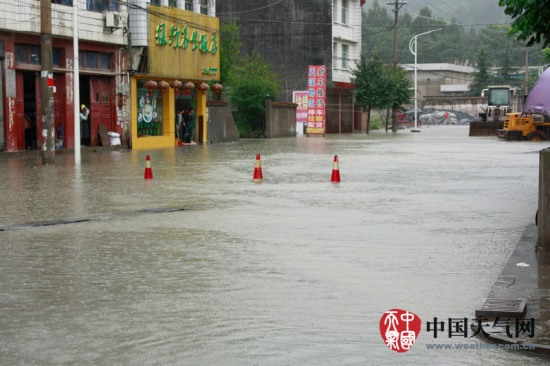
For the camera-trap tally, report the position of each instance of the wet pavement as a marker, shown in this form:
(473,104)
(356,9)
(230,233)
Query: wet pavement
(200,266)
(526,276)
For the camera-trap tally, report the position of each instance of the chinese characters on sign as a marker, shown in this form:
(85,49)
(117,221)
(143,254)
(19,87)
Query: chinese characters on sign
(178,36)
(300,98)
(400,328)
(458,327)
(316,102)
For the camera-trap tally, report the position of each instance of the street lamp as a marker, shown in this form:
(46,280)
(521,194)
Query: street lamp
(411,43)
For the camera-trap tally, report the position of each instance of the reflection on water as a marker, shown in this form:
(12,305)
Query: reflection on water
(200,266)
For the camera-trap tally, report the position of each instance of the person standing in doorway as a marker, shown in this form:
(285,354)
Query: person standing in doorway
(180,125)
(190,126)
(84,126)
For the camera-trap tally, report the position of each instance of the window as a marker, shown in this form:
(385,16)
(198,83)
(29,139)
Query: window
(150,113)
(204,6)
(334,54)
(101,5)
(173,3)
(345,11)
(63,2)
(56,56)
(27,54)
(95,60)
(189,5)
(155,2)
(345,52)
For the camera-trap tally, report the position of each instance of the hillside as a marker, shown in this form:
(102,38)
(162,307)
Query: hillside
(464,11)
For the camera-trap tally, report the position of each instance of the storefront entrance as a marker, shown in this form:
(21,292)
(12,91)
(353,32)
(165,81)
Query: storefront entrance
(97,93)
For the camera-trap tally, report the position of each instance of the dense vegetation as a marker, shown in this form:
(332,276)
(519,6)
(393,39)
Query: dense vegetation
(456,42)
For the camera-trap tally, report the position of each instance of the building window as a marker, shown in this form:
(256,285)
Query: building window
(173,3)
(189,5)
(204,6)
(345,11)
(95,60)
(101,5)
(56,56)
(63,2)
(155,2)
(27,54)
(345,52)
(334,54)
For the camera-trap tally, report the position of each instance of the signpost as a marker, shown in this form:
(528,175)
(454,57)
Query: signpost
(316,103)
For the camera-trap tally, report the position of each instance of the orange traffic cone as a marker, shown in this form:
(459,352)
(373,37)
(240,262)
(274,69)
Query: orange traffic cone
(258,170)
(148,170)
(335,171)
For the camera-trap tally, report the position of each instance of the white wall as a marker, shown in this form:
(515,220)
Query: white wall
(24,16)
(348,34)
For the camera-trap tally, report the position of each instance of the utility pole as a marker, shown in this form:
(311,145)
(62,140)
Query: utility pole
(397,5)
(46,78)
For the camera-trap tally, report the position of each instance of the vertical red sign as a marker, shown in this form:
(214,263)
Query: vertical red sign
(316,103)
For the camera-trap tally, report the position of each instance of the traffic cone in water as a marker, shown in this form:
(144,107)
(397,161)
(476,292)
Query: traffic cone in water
(148,170)
(258,170)
(335,171)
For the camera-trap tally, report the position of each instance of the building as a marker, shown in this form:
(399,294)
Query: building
(440,79)
(174,53)
(101,54)
(122,46)
(293,34)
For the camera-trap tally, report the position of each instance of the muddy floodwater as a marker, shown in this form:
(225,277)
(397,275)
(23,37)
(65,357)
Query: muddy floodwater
(201,266)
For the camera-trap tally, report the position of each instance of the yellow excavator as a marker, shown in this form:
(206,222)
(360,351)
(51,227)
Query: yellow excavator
(520,126)
(533,123)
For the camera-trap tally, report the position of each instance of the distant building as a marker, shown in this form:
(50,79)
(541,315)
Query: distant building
(292,34)
(440,79)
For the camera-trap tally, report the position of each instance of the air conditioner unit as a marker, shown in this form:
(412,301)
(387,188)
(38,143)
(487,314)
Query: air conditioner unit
(113,19)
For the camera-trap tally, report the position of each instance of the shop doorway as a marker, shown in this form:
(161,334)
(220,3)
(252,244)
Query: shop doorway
(184,100)
(30,115)
(97,94)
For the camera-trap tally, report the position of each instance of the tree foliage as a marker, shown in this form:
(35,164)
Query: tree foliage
(230,49)
(530,20)
(482,78)
(379,86)
(252,81)
(455,43)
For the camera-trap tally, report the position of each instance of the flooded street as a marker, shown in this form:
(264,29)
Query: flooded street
(200,266)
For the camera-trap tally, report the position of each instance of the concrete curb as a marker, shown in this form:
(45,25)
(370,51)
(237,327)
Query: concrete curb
(520,279)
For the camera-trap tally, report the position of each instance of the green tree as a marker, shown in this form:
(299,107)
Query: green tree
(530,20)
(230,49)
(377,32)
(373,85)
(402,92)
(252,81)
(482,78)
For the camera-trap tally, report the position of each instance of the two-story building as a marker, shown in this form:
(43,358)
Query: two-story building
(102,39)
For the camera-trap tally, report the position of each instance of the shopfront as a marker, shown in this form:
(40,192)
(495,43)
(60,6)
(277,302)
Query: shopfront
(183,56)
(23,99)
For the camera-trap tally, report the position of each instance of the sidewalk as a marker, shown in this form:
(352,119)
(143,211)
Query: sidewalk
(525,276)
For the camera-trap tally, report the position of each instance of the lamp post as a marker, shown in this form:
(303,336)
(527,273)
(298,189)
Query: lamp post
(412,43)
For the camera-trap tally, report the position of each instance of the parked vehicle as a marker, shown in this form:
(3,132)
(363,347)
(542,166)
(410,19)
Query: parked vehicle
(533,123)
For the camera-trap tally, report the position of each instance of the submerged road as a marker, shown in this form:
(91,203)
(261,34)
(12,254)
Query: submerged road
(200,266)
